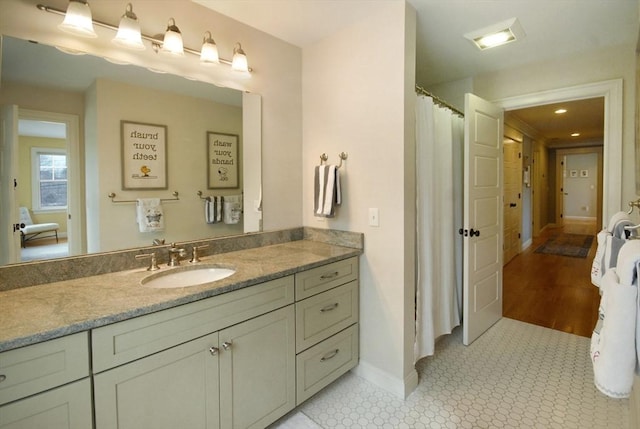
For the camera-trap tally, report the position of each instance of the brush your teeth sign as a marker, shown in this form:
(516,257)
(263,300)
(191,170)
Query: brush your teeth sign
(144,156)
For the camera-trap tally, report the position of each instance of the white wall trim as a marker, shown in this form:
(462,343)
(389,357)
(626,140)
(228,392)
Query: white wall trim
(526,245)
(611,90)
(382,379)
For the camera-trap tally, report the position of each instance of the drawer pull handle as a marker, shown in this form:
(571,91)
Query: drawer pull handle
(329,276)
(329,307)
(2,378)
(213,351)
(329,355)
(227,345)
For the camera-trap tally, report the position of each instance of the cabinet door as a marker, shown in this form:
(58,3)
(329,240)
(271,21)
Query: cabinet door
(176,388)
(67,407)
(257,370)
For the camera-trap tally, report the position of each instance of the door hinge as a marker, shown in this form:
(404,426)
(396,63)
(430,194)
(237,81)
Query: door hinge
(519,235)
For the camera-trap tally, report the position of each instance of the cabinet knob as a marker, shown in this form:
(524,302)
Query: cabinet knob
(213,351)
(227,345)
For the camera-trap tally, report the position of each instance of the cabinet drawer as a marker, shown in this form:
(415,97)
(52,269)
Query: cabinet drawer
(39,367)
(325,314)
(66,407)
(325,362)
(132,339)
(320,279)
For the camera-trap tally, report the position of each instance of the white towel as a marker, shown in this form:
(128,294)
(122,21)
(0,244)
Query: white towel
(617,217)
(613,350)
(149,215)
(327,195)
(598,266)
(232,209)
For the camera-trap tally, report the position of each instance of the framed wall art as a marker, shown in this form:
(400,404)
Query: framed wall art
(222,160)
(144,155)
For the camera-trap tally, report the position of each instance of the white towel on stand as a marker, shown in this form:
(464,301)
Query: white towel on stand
(149,214)
(613,350)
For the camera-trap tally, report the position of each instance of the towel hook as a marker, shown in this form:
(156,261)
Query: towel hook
(633,204)
(342,155)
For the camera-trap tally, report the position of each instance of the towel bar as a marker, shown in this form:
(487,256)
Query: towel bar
(112,195)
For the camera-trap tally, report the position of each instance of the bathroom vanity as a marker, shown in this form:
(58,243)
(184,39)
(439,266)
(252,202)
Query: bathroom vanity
(240,352)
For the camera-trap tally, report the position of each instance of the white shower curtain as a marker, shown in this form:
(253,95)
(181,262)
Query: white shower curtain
(439,166)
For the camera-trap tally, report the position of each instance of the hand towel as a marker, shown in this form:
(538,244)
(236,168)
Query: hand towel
(598,267)
(213,209)
(613,350)
(327,192)
(149,215)
(617,217)
(232,209)
(628,257)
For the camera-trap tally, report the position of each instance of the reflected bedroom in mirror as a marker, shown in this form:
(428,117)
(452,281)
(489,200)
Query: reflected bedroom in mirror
(89,144)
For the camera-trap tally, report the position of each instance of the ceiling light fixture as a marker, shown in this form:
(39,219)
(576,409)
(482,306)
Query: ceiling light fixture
(129,35)
(79,11)
(209,51)
(560,111)
(496,35)
(77,20)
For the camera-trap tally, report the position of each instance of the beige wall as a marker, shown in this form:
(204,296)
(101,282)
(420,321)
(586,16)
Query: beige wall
(355,102)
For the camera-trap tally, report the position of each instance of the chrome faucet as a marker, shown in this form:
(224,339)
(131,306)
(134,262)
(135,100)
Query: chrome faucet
(174,255)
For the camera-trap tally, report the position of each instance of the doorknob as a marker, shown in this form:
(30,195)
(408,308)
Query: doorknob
(512,204)
(473,232)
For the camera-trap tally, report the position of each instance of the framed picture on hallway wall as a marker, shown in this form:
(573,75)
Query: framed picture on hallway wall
(584,173)
(144,155)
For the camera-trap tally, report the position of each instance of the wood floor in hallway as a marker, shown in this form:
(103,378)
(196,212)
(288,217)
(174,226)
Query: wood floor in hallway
(550,290)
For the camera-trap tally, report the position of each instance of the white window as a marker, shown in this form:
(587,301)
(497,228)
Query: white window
(49,179)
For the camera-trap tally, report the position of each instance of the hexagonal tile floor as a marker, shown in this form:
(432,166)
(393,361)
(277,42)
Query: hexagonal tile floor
(516,375)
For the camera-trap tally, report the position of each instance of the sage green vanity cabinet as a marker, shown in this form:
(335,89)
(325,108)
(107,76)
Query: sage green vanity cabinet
(46,385)
(327,313)
(238,375)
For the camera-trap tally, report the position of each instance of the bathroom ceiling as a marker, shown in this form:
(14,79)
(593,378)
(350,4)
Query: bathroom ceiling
(553,28)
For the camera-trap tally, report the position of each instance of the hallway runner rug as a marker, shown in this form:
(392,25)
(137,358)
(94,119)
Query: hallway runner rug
(573,245)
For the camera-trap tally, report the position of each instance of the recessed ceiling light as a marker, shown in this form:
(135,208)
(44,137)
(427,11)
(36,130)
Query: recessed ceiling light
(497,34)
(560,111)
(575,134)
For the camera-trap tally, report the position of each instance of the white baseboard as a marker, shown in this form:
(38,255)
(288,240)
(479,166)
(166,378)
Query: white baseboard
(584,218)
(382,379)
(526,244)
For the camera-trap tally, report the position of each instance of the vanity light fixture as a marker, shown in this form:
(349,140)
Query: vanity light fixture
(239,62)
(77,19)
(172,43)
(209,51)
(128,35)
(497,34)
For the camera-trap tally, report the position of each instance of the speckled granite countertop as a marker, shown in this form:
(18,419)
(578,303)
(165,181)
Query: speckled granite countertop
(42,312)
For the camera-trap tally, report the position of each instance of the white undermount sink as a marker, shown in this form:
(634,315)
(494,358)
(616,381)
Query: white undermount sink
(187,276)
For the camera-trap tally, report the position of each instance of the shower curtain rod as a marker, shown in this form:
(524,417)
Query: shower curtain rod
(438,100)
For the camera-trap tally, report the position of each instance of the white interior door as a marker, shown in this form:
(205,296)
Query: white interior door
(9,239)
(482,254)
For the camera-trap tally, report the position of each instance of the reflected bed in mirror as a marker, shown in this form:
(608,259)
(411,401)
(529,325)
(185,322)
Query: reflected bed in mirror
(70,109)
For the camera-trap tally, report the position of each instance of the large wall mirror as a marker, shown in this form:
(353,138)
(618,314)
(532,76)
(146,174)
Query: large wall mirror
(69,111)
